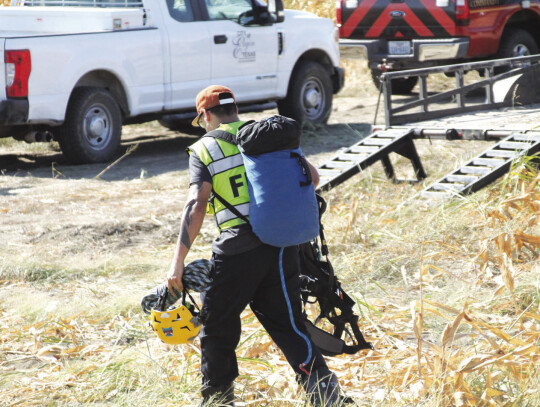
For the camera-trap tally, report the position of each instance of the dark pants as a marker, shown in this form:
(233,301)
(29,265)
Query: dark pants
(254,278)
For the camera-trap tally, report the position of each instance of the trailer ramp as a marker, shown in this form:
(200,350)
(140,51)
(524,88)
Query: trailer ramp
(375,147)
(431,104)
(485,168)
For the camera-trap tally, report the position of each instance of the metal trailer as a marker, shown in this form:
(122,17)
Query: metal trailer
(475,174)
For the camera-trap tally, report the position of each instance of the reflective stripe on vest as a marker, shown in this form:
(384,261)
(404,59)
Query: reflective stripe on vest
(226,215)
(225,164)
(213,148)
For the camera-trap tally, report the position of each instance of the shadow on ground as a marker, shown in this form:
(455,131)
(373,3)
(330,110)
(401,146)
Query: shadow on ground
(151,156)
(156,155)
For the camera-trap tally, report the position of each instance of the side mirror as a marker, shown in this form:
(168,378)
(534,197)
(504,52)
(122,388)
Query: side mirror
(258,15)
(275,7)
(262,15)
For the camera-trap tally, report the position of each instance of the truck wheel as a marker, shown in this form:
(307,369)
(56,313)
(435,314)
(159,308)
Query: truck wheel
(400,86)
(516,42)
(93,126)
(309,98)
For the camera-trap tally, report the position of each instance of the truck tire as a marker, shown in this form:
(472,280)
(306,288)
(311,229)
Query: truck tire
(309,98)
(516,42)
(400,86)
(93,126)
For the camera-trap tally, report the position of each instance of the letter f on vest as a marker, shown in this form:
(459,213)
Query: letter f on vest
(235,184)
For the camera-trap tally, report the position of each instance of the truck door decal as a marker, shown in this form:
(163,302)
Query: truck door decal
(244,47)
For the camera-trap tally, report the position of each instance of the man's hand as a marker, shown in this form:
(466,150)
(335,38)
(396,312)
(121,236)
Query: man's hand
(174,278)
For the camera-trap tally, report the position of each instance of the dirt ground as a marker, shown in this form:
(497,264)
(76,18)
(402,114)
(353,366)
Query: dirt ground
(45,202)
(87,216)
(63,220)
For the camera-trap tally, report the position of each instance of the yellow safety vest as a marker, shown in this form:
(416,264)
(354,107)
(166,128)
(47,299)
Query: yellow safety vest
(225,164)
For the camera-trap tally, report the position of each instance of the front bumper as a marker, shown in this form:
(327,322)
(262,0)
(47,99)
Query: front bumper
(14,111)
(423,51)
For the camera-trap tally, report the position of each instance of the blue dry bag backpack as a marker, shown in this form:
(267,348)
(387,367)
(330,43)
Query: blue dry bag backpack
(283,209)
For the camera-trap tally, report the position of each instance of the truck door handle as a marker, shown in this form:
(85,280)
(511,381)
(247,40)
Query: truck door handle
(220,39)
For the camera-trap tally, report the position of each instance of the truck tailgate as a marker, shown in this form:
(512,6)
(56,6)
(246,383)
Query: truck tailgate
(397,19)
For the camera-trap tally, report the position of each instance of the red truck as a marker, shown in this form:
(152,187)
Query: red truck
(407,34)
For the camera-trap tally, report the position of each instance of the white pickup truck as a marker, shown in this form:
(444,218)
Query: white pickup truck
(77,70)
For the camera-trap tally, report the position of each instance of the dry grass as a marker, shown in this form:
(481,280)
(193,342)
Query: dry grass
(320,7)
(449,294)
(459,330)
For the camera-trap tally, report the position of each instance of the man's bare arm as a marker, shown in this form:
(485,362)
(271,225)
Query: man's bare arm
(192,220)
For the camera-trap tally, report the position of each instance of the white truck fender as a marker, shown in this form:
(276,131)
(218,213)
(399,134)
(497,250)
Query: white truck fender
(317,42)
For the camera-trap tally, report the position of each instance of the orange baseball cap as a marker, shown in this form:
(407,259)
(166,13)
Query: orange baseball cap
(212,96)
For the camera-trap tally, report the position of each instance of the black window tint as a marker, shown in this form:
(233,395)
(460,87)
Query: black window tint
(180,10)
(227,9)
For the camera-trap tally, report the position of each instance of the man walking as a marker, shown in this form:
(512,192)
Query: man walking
(246,271)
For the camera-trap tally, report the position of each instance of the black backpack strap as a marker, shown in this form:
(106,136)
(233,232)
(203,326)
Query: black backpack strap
(229,138)
(305,168)
(186,292)
(230,207)
(222,135)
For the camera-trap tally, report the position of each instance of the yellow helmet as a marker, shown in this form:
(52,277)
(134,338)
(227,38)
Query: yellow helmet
(175,326)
